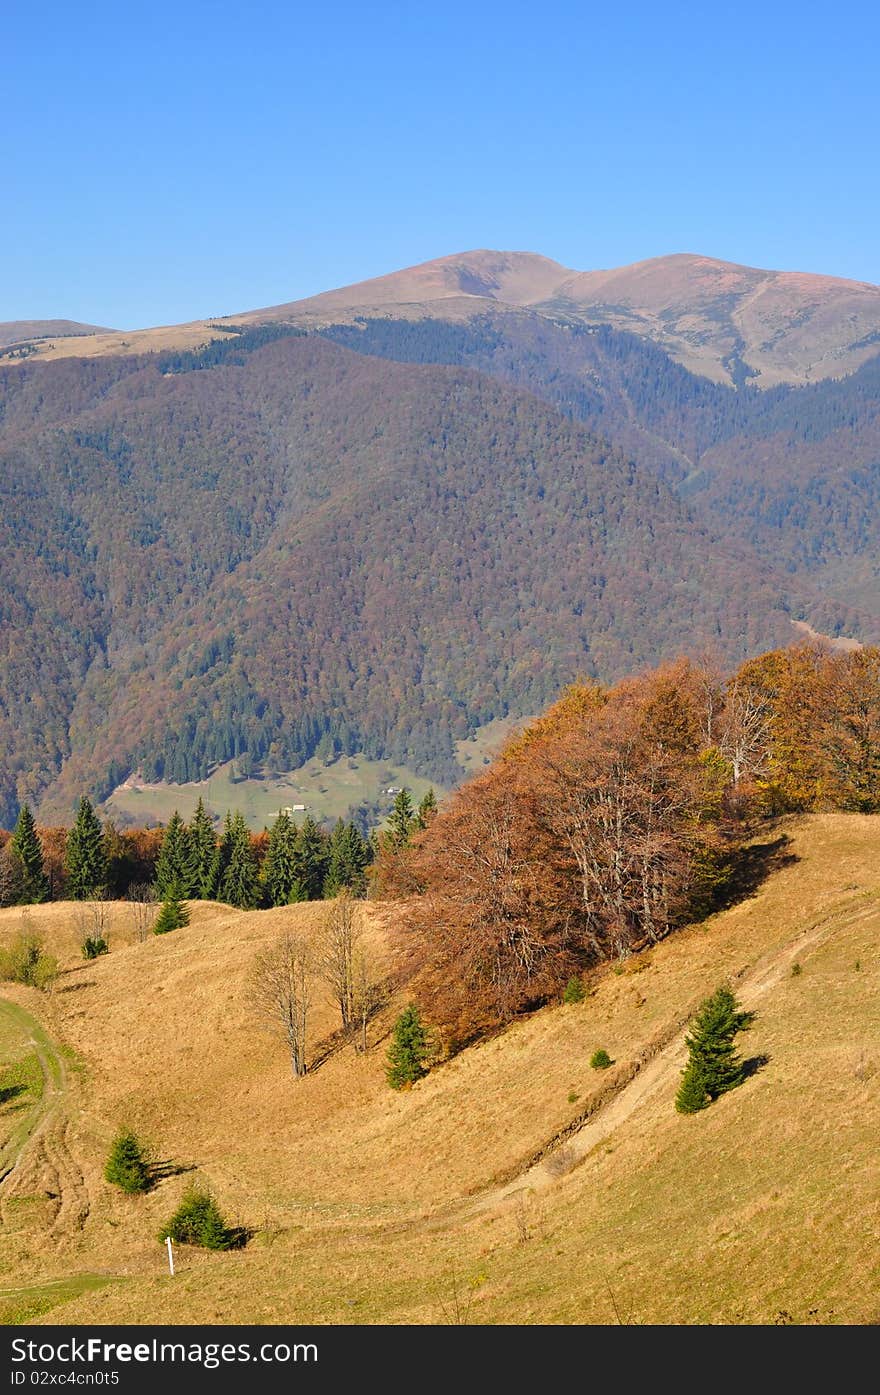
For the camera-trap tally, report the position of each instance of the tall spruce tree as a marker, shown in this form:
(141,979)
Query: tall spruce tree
(220,860)
(29,849)
(202,852)
(427,808)
(174,870)
(86,860)
(349,856)
(240,880)
(402,820)
(11,876)
(409,1049)
(311,856)
(713,1065)
(279,874)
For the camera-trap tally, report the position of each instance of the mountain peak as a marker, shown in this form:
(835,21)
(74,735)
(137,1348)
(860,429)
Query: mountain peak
(510,278)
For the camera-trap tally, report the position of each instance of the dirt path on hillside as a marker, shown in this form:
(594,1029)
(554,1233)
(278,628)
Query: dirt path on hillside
(45,1112)
(564,1152)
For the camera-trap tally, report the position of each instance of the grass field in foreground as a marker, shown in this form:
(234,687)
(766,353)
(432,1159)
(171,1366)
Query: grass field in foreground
(764,1208)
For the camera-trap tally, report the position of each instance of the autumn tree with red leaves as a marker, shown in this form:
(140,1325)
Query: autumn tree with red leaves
(594,834)
(492,930)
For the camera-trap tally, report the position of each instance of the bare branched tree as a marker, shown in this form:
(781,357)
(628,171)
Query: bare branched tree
(745,729)
(142,899)
(367,998)
(342,934)
(279,992)
(347,970)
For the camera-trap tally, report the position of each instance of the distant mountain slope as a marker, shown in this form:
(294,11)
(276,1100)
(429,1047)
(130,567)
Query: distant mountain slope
(510,278)
(794,472)
(733,322)
(248,548)
(730,323)
(15,331)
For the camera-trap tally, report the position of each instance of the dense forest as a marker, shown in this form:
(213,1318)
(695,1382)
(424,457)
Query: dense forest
(277,543)
(312,544)
(792,471)
(617,816)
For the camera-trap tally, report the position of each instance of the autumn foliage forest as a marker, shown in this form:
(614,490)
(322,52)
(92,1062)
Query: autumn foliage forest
(618,815)
(279,542)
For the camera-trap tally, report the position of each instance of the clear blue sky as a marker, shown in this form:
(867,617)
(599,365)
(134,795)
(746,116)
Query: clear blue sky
(161,162)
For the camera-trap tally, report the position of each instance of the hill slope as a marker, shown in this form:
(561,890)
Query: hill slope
(740,1214)
(247,550)
(792,471)
(18,331)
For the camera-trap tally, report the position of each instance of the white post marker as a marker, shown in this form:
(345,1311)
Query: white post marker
(170,1253)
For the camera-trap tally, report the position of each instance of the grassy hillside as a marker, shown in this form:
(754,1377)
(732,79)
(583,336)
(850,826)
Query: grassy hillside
(372,1206)
(329,792)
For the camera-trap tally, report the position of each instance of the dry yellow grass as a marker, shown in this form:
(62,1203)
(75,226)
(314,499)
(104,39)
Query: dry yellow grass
(766,1203)
(124,342)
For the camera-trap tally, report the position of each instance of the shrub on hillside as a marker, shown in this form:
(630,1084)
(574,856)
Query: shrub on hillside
(93,946)
(713,1066)
(600,1060)
(573,992)
(173,915)
(409,1049)
(26,961)
(128,1165)
(199,1221)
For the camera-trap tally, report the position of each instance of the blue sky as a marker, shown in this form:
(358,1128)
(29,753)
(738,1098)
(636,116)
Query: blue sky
(164,162)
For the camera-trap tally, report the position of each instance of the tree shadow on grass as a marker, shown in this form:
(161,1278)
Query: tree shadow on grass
(750,868)
(166,1167)
(11,1092)
(753,1064)
(239,1236)
(329,1046)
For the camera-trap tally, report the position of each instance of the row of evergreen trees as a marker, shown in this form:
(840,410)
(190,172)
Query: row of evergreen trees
(86,860)
(302,862)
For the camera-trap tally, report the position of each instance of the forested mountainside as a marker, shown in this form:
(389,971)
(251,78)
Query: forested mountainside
(250,546)
(794,472)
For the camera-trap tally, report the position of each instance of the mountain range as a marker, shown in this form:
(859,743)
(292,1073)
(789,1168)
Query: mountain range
(387,515)
(727,322)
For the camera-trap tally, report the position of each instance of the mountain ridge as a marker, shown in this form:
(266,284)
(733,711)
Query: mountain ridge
(722,320)
(25,331)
